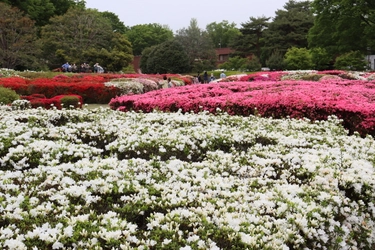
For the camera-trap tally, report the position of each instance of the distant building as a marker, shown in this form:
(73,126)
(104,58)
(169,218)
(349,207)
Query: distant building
(222,55)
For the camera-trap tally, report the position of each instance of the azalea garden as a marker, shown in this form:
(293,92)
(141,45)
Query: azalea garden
(268,160)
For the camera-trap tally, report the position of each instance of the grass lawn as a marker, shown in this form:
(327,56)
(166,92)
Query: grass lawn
(94,106)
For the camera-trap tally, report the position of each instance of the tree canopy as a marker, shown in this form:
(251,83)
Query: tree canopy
(222,34)
(68,31)
(146,35)
(342,26)
(42,10)
(117,25)
(168,57)
(251,37)
(290,27)
(17,38)
(78,36)
(198,46)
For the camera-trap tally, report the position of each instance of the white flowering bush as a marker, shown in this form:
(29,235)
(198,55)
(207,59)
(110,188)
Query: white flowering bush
(102,179)
(21,104)
(8,72)
(297,74)
(127,85)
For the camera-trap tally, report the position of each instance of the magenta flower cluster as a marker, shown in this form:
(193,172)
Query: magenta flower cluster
(351,101)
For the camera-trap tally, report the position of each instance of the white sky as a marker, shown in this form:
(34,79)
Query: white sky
(177,13)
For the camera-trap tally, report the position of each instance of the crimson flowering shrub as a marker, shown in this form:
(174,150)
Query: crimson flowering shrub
(90,87)
(351,101)
(40,100)
(18,84)
(58,100)
(78,78)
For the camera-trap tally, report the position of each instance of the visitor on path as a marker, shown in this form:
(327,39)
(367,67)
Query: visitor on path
(98,69)
(164,83)
(66,67)
(74,68)
(212,78)
(205,77)
(195,80)
(199,78)
(170,83)
(222,75)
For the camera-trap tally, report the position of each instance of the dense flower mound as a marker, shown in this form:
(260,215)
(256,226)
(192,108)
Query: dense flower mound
(102,179)
(352,101)
(94,88)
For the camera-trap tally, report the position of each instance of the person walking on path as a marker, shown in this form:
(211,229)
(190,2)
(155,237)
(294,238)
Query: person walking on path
(212,78)
(205,77)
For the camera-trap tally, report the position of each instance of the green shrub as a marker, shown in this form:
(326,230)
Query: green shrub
(353,60)
(70,101)
(7,96)
(235,63)
(275,61)
(298,59)
(253,64)
(312,77)
(320,58)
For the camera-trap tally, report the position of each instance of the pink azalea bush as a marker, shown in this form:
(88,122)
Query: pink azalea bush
(351,101)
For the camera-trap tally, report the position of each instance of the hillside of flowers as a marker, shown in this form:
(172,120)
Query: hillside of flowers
(276,95)
(93,88)
(104,179)
(271,160)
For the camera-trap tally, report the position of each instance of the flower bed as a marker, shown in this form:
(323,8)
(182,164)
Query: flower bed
(352,101)
(92,88)
(38,100)
(101,179)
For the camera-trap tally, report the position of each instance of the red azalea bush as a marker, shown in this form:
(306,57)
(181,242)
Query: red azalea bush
(40,100)
(351,101)
(18,84)
(90,87)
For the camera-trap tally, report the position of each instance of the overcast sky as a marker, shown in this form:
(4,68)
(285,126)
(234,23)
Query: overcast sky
(178,13)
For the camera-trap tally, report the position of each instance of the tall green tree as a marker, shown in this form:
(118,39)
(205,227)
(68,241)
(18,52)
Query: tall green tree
(42,10)
(69,37)
(117,25)
(198,46)
(251,40)
(275,61)
(320,58)
(18,40)
(145,55)
(290,27)
(146,35)
(168,57)
(342,26)
(222,34)
(114,58)
(62,6)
